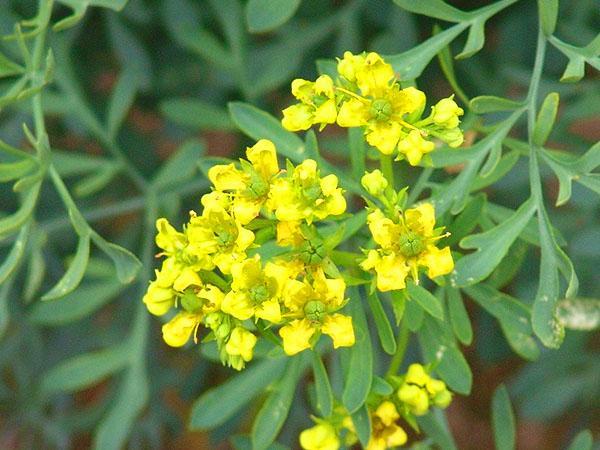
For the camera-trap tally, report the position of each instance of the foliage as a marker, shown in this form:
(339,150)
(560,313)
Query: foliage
(112,114)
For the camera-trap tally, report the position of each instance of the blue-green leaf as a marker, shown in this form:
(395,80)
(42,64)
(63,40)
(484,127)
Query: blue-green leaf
(426,300)
(583,441)
(503,420)
(273,413)
(491,246)
(322,386)
(83,371)
(440,349)
(220,403)
(384,329)
(195,113)
(72,277)
(360,371)
(266,15)
(461,324)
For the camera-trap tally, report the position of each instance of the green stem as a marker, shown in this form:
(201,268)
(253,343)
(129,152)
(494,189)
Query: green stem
(401,346)
(387,169)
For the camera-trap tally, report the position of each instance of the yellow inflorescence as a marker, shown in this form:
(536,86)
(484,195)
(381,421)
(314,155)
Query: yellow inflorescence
(406,243)
(367,94)
(414,394)
(209,276)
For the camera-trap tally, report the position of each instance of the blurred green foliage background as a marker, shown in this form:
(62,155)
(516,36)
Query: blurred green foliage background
(152,81)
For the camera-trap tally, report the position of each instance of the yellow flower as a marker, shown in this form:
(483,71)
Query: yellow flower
(248,186)
(385,432)
(217,238)
(374,182)
(313,304)
(178,330)
(241,343)
(320,437)
(255,291)
(296,336)
(406,244)
(303,195)
(414,146)
(445,113)
(318,104)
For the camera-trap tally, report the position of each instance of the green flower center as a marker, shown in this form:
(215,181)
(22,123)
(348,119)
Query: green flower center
(312,254)
(315,311)
(411,244)
(311,193)
(259,293)
(381,110)
(224,237)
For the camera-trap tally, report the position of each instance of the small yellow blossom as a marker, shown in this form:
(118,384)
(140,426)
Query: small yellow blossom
(406,244)
(303,195)
(217,238)
(413,146)
(255,291)
(419,391)
(385,432)
(241,343)
(374,182)
(320,437)
(317,104)
(446,112)
(178,330)
(313,306)
(248,186)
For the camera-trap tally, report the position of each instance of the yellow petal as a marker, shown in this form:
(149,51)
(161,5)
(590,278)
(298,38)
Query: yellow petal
(339,328)
(438,261)
(178,330)
(238,304)
(296,336)
(269,310)
(320,437)
(187,278)
(352,113)
(384,136)
(263,157)
(241,343)
(387,413)
(158,300)
(297,117)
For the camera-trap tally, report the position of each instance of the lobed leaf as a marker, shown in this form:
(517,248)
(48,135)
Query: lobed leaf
(491,246)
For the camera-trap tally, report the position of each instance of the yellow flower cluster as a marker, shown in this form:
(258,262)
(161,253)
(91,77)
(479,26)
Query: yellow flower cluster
(406,243)
(209,276)
(416,391)
(419,391)
(367,94)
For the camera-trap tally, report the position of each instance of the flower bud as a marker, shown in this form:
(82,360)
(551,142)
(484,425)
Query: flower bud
(374,182)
